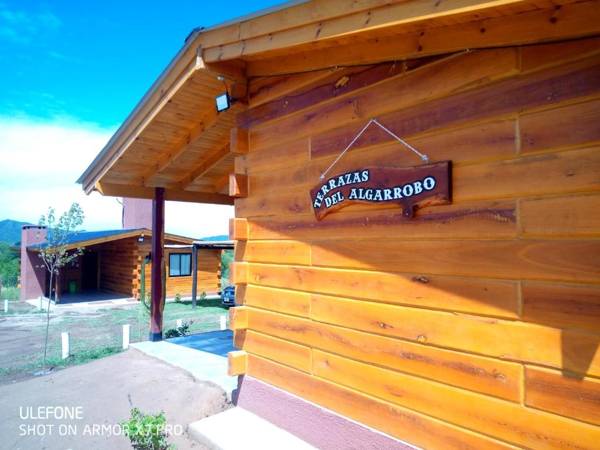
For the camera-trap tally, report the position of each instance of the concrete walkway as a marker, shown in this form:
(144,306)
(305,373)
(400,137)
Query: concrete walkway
(210,365)
(216,342)
(251,433)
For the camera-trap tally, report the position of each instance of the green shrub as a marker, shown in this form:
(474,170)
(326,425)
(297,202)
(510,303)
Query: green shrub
(183,330)
(178,298)
(146,431)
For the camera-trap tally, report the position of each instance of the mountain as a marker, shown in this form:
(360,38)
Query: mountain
(10,231)
(220,237)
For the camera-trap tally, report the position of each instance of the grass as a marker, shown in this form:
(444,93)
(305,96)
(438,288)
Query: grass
(57,362)
(93,334)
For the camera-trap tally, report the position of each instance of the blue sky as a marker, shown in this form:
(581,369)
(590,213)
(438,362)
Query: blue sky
(70,73)
(93,60)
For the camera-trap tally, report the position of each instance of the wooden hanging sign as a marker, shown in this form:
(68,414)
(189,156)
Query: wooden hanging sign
(409,187)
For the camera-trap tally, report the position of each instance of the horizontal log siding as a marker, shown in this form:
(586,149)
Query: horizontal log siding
(473,325)
(209,274)
(119,266)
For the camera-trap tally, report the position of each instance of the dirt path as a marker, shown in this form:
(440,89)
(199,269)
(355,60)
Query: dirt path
(104,390)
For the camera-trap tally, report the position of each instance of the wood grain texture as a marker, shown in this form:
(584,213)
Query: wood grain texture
(504,420)
(564,260)
(576,124)
(535,57)
(400,422)
(562,305)
(569,21)
(401,91)
(289,252)
(440,314)
(572,171)
(477,296)
(490,140)
(513,94)
(237,363)
(238,318)
(280,350)
(495,219)
(239,272)
(566,349)
(238,229)
(280,300)
(337,83)
(476,373)
(569,396)
(209,279)
(565,216)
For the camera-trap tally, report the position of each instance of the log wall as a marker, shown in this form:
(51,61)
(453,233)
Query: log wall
(472,325)
(119,266)
(209,274)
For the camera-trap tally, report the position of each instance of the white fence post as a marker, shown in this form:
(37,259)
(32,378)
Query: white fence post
(5,306)
(179,323)
(223,322)
(126,329)
(65,344)
(41,308)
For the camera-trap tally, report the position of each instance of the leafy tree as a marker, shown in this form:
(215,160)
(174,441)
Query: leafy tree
(226,259)
(55,254)
(9,265)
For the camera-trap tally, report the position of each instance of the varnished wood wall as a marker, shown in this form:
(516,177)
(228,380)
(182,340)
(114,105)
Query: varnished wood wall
(209,274)
(473,325)
(118,265)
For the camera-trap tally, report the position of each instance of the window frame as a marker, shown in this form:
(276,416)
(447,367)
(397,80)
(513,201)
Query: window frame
(179,256)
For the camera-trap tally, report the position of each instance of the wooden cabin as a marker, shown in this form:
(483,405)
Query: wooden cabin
(117,262)
(462,316)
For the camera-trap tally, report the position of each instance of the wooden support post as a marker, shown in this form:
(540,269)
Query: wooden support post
(222,322)
(194,274)
(158,265)
(5,306)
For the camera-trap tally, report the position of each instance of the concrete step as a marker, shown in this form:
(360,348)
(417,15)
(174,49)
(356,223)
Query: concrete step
(237,428)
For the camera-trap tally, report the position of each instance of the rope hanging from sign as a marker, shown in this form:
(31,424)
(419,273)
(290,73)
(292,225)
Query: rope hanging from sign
(423,157)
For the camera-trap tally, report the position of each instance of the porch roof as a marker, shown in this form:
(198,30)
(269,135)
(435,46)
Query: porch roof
(88,238)
(176,140)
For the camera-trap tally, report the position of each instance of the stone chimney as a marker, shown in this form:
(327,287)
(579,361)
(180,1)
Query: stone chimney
(33,272)
(137,213)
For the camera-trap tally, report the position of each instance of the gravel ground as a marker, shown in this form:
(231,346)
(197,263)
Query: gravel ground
(104,390)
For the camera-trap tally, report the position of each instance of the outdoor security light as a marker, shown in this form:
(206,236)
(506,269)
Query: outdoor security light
(223,102)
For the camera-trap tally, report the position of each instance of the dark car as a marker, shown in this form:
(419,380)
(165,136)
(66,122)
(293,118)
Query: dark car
(228,296)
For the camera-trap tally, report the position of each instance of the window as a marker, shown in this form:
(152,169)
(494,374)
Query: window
(180,264)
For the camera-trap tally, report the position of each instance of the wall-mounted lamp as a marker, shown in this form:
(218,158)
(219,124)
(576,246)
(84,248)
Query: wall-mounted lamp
(223,102)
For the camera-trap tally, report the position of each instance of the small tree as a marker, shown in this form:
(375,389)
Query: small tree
(55,253)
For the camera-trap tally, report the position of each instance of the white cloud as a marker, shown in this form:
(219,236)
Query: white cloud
(23,27)
(40,161)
